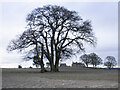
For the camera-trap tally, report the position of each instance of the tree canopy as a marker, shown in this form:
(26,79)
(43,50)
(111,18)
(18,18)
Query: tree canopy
(110,61)
(95,59)
(55,33)
(85,58)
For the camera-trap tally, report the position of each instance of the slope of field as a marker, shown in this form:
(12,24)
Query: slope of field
(68,77)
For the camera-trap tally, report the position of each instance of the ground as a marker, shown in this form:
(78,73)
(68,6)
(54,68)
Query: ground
(68,77)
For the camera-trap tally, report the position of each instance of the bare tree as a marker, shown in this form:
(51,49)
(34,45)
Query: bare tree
(59,32)
(63,32)
(29,40)
(94,59)
(85,58)
(110,61)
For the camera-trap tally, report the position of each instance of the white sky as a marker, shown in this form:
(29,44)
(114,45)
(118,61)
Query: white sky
(104,17)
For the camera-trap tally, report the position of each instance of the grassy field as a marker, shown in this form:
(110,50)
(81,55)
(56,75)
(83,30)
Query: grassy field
(68,77)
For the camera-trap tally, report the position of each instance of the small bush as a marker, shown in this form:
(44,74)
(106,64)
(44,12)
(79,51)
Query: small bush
(19,66)
(30,67)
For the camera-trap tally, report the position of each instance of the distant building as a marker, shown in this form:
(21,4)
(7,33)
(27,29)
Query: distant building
(78,64)
(63,65)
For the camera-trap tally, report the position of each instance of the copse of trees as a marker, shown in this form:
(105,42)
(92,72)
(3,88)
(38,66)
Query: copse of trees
(55,33)
(95,60)
(110,61)
(91,58)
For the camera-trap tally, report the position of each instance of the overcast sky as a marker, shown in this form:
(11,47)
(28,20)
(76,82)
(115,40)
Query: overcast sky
(103,15)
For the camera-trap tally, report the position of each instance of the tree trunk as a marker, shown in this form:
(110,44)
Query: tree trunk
(87,64)
(40,60)
(95,65)
(56,65)
(56,69)
(42,64)
(42,67)
(57,59)
(110,67)
(52,67)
